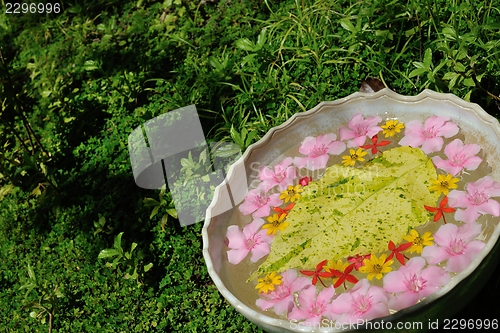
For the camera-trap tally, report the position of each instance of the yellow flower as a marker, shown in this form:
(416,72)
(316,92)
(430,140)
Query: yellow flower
(291,193)
(392,127)
(267,284)
(418,242)
(374,266)
(336,266)
(444,184)
(354,156)
(276,223)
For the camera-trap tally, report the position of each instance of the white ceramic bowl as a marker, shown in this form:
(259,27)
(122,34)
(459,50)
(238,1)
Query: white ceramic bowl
(475,124)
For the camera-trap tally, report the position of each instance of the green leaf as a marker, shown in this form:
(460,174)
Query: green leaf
(148,267)
(261,40)
(132,248)
(245,44)
(227,150)
(459,67)
(172,212)
(469,82)
(418,71)
(107,253)
(449,33)
(453,77)
(150,202)
(347,25)
(428,59)
(118,242)
(376,203)
(31,273)
(154,212)
(90,65)
(235,136)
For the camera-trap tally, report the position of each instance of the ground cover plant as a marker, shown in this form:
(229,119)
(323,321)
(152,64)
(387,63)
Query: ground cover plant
(83,248)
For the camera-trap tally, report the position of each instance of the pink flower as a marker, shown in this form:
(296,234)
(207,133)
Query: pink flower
(476,200)
(282,297)
(250,240)
(363,301)
(454,244)
(460,157)
(358,129)
(312,307)
(358,260)
(412,282)
(282,175)
(258,203)
(317,150)
(430,135)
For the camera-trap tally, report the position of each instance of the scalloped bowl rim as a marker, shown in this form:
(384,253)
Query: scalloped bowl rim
(257,317)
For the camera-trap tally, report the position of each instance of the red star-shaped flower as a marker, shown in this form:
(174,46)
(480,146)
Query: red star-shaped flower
(375,144)
(285,210)
(440,210)
(344,276)
(395,251)
(318,274)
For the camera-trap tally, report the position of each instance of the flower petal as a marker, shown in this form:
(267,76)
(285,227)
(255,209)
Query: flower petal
(235,236)
(285,305)
(336,148)
(403,300)
(432,145)
(235,256)
(260,251)
(252,228)
(412,140)
(307,298)
(307,145)
(435,254)
(469,215)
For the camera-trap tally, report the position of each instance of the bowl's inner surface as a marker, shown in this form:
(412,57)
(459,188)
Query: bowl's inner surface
(285,141)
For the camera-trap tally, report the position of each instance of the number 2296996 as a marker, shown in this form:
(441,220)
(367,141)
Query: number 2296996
(32,8)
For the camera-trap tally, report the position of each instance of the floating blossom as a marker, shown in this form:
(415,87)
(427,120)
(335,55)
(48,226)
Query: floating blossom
(440,210)
(357,260)
(318,273)
(355,156)
(375,267)
(429,136)
(284,211)
(418,242)
(392,127)
(251,239)
(292,193)
(375,144)
(396,251)
(305,180)
(343,276)
(476,200)
(358,128)
(318,150)
(444,184)
(460,157)
(413,282)
(312,308)
(455,244)
(282,297)
(258,203)
(338,266)
(282,175)
(267,284)
(361,302)
(276,223)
